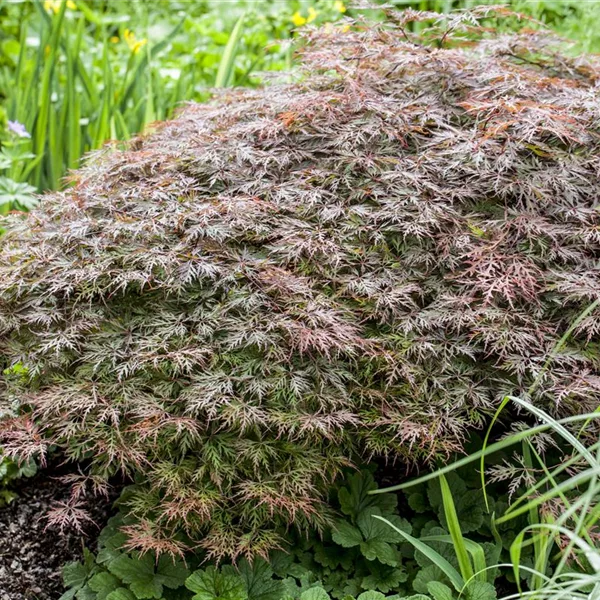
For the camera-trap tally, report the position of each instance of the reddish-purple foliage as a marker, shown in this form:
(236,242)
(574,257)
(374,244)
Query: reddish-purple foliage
(273,285)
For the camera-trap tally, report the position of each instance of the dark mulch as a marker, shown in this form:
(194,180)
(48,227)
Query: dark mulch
(31,556)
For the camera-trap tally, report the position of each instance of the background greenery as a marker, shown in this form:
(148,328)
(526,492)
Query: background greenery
(76,74)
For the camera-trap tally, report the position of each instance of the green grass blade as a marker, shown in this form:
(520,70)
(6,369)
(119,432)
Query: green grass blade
(475,550)
(435,557)
(142,64)
(44,102)
(226,66)
(464,562)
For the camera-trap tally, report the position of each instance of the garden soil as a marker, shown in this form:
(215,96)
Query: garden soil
(31,554)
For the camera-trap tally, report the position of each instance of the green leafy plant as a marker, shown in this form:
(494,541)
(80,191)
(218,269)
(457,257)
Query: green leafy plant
(473,579)
(367,550)
(114,573)
(11,472)
(559,502)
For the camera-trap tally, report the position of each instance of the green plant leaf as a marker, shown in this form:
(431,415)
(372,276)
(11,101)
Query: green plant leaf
(346,535)
(355,498)
(425,576)
(171,572)
(439,591)
(383,578)
(375,529)
(226,66)
(259,581)
(469,505)
(330,556)
(121,594)
(454,526)
(418,502)
(480,590)
(381,551)
(452,574)
(103,584)
(315,593)
(371,595)
(217,584)
(138,572)
(19,193)
(75,574)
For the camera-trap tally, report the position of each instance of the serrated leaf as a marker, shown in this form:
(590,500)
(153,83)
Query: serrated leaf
(330,556)
(381,551)
(346,535)
(75,574)
(171,573)
(138,572)
(426,576)
(480,590)
(111,540)
(418,502)
(103,584)
(439,591)
(352,587)
(354,498)
(315,593)
(376,529)
(214,584)
(259,581)
(85,593)
(384,578)
(121,594)
(371,595)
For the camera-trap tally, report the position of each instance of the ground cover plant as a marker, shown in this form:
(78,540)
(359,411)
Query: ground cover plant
(440,538)
(273,286)
(357,557)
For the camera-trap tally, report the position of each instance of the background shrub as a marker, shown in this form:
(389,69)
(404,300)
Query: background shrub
(359,264)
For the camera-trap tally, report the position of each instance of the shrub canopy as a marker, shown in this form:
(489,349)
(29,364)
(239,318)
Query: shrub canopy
(361,263)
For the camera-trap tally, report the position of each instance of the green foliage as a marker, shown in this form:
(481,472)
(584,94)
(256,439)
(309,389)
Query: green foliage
(10,472)
(80,73)
(114,573)
(364,556)
(217,584)
(557,493)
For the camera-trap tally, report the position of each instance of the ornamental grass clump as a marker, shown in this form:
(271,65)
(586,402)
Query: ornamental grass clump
(275,285)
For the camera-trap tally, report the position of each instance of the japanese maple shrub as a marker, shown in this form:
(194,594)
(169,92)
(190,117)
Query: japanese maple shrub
(361,263)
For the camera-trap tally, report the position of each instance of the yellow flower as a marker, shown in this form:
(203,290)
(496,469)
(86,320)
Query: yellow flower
(114,39)
(134,45)
(339,6)
(298,20)
(54,5)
